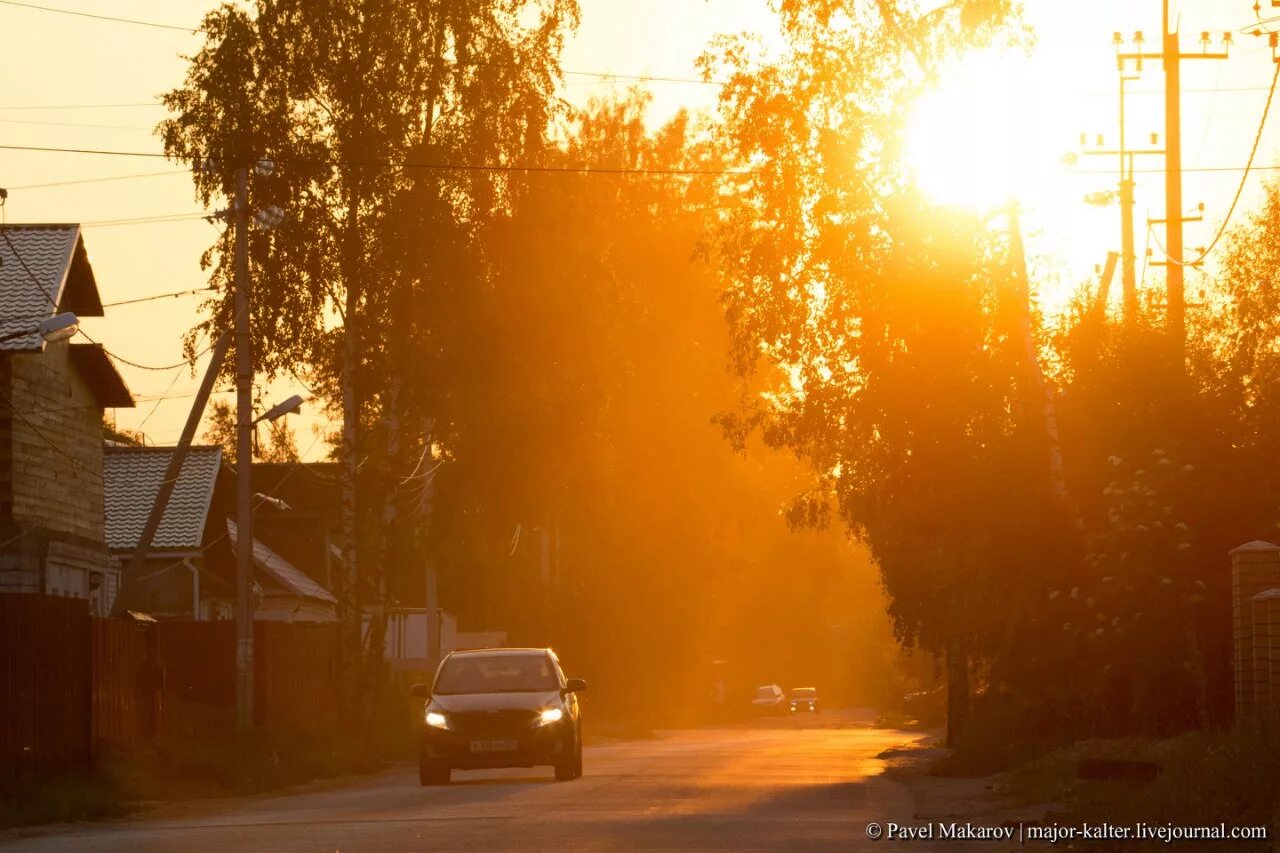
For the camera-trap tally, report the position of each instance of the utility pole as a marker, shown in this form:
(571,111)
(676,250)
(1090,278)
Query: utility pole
(1171,57)
(1175,290)
(244,461)
(137,564)
(1126,157)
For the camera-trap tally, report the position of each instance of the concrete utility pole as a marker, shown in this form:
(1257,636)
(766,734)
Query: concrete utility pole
(1171,57)
(244,461)
(1126,155)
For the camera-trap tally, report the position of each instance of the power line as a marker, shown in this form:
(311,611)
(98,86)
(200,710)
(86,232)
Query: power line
(1257,140)
(460,167)
(176,376)
(645,78)
(104,180)
(135,127)
(157,296)
(161,367)
(110,18)
(144,220)
(30,107)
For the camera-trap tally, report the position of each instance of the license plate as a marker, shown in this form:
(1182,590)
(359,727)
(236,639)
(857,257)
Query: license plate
(493,746)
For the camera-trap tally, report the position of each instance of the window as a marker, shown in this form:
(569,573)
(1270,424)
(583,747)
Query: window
(526,673)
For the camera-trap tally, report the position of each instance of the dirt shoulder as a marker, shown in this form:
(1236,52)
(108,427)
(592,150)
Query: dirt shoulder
(987,801)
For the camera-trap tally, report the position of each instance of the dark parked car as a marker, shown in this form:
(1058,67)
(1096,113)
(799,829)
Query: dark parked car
(804,699)
(500,708)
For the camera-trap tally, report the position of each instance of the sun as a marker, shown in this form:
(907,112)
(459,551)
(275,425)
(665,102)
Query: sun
(971,140)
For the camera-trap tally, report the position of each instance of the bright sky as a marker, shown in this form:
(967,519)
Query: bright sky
(58,72)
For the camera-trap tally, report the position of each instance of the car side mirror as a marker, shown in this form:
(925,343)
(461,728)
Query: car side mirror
(575,685)
(420,691)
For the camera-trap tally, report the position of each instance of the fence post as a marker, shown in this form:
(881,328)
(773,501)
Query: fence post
(1265,608)
(1255,568)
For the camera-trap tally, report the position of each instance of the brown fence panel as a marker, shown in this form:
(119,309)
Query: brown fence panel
(125,684)
(197,668)
(296,677)
(44,684)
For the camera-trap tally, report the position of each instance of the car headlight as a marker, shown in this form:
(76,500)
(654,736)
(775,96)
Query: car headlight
(551,715)
(437,720)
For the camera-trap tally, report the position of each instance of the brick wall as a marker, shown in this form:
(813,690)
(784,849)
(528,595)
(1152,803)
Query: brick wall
(48,489)
(51,504)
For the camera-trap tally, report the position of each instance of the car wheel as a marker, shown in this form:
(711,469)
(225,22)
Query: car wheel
(433,772)
(571,767)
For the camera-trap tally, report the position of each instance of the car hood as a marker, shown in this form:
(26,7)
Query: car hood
(462,702)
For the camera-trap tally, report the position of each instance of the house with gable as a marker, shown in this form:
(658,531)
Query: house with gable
(190,567)
(52,399)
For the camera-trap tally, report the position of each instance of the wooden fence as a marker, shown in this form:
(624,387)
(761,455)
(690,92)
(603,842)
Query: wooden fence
(72,687)
(45,725)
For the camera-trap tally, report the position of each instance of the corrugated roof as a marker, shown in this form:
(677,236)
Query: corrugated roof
(131,478)
(42,266)
(282,571)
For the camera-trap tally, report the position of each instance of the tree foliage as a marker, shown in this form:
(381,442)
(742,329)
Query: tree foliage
(876,335)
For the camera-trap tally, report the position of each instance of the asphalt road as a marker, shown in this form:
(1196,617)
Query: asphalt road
(810,786)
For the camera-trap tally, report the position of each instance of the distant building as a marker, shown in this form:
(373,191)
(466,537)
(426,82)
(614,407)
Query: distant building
(52,398)
(191,566)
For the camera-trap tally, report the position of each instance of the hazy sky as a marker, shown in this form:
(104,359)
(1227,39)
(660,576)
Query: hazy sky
(57,72)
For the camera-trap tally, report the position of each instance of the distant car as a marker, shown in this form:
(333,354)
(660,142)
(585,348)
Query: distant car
(500,708)
(804,699)
(926,705)
(769,699)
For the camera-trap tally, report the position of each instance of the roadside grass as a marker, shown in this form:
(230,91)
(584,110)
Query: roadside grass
(74,797)
(1206,779)
(168,770)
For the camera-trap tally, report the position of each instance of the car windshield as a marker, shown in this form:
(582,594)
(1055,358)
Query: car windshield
(496,674)
(765,693)
(804,693)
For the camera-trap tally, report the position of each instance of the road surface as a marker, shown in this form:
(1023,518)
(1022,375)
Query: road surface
(776,786)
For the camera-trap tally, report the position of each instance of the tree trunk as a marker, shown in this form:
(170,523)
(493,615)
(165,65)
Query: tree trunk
(375,663)
(350,601)
(957,693)
(1040,395)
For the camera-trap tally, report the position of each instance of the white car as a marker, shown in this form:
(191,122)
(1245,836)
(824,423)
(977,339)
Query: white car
(769,699)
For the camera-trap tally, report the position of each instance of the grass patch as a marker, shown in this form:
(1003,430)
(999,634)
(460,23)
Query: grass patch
(75,797)
(1206,778)
(171,770)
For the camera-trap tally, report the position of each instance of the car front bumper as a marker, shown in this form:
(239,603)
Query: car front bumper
(534,746)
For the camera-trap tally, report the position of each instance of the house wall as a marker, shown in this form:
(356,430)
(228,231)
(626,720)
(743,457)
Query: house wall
(49,489)
(51,494)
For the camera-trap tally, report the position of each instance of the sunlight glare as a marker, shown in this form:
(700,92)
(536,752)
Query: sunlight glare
(969,140)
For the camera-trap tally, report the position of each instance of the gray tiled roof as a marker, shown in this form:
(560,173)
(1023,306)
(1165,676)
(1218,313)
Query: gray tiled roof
(34,263)
(282,571)
(131,478)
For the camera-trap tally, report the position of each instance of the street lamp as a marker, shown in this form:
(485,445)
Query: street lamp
(290,406)
(59,327)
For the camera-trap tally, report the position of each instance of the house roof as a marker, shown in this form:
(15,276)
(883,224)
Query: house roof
(44,269)
(106,382)
(282,571)
(131,479)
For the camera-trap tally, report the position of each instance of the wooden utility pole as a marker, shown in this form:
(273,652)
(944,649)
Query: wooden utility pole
(244,461)
(137,563)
